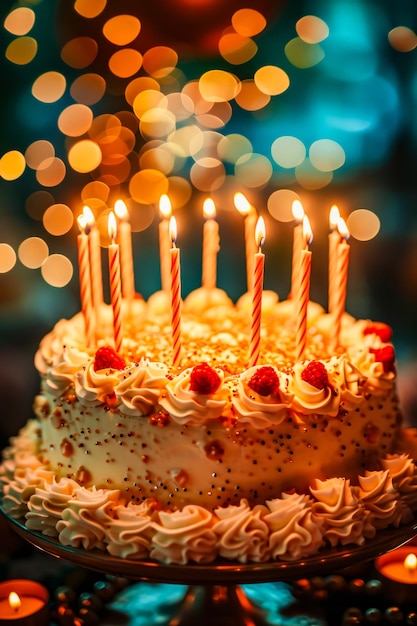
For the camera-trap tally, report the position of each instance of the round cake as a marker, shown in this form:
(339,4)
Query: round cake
(213,459)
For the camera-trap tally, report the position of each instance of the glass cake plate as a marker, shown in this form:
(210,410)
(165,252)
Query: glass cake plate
(215,594)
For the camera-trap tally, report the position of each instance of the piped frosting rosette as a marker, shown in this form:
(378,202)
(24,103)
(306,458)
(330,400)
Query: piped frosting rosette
(378,378)
(65,333)
(188,405)
(19,490)
(345,519)
(183,536)
(295,531)
(262,396)
(140,387)
(130,534)
(95,386)
(381,499)
(310,400)
(403,473)
(46,505)
(87,517)
(242,532)
(60,375)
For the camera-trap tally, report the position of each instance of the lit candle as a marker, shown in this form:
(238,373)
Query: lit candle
(124,235)
(24,603)
(257,290)
(334,240)
(245,208)
(302,295)
(95,258)
(398,572)
(210,245)
(164,241)
(115,285)
(297,246)
(175,294)
(342,267)
(85,281)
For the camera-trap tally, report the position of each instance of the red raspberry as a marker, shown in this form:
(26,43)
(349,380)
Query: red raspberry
(386,356)
(383,331)
(106,357)
(264,381)
(316,374)
(204,379)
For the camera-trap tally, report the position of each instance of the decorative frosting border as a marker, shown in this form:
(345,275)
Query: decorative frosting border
(288,528)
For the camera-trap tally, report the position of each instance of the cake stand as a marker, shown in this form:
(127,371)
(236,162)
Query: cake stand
(215,594)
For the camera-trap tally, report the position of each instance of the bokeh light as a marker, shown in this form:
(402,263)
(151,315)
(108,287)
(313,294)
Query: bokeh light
(12,165)
(280,204)
(363,224)
(7,258)
(57,270)
(32,252)
(58,219)
(20,21)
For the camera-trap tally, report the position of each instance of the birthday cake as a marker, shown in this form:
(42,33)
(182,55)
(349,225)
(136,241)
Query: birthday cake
(212,459)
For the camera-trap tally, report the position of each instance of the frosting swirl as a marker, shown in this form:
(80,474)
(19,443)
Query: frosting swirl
(311,400)
(242,532)
(185,535)
(130,533)
(189,407)
(141,387)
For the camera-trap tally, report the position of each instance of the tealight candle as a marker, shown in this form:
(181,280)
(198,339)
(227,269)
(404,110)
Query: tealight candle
(24,603)
(398,572)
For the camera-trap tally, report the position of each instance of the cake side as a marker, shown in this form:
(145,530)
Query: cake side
(133,456)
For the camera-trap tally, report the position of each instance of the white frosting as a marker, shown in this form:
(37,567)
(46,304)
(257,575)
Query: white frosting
(141,386)
(189,407)
(130,532)
(309,400)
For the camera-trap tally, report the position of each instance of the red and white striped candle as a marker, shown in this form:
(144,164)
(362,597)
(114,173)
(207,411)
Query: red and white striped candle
(95,259)
(257,291)
(115,283)
(85,281)
(297,246)
(175,295)
(334,240)
(303,293)
(164,241)
(343,253)
(245,208)
(210,245)
(124,237)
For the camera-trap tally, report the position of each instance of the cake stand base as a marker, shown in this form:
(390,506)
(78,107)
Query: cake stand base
(217,604)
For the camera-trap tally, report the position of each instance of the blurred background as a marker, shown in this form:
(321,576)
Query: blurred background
(277,100)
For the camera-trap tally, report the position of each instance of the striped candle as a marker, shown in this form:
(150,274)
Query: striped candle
(297,246)
(303,293)
(343,252)
(124,235)
(95,259)
(175,295)
(164,241)
(85,281)
(334,240)
(257,290)
(115,284)
(210,245)
(245,208)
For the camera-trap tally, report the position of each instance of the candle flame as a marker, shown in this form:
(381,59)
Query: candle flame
(260,232)
(14,600)
(82,222)
(410,562)
(307,232)
(173,229)
(120,209)
(112,226)
(89,215)
(342,228)
(297,211)
(242,204)
(209,208)
(165,206)
(334,216)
